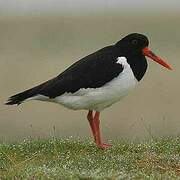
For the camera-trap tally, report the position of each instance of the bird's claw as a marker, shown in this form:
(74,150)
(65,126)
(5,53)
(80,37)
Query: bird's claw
(104,146)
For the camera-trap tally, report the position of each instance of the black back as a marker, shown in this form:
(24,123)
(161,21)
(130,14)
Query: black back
(94,70)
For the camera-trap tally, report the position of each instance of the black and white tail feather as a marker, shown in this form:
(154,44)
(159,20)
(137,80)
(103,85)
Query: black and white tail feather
(21,97)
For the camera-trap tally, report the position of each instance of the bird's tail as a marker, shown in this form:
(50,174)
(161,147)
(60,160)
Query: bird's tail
(20,97)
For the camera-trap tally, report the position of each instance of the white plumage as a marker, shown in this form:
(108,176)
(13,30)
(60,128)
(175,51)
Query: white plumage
(98,98)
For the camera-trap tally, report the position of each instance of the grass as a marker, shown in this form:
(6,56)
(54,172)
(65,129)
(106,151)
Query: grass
(70,159)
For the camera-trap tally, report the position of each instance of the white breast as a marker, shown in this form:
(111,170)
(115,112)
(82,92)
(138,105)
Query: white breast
(100,98)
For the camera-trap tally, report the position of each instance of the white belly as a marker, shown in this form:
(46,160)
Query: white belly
(99,98)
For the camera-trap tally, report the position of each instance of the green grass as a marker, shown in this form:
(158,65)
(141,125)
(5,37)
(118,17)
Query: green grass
(70,159)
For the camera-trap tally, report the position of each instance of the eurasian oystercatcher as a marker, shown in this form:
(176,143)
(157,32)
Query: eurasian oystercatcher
(96,81)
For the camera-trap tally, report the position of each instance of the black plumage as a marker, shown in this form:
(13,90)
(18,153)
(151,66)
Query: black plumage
(94,70)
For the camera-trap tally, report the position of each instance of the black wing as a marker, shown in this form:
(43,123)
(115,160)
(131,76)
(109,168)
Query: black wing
(92,71)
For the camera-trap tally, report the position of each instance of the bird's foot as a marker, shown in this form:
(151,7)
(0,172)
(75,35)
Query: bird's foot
(104,145)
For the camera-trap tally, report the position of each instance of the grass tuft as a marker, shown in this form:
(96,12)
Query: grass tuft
(70,159)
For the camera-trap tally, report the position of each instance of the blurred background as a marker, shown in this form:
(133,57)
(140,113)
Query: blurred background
(40,38)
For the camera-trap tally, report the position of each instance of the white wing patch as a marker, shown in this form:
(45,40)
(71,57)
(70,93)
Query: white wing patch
(123,61)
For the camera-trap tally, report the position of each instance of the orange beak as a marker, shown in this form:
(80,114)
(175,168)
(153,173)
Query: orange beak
(147,52)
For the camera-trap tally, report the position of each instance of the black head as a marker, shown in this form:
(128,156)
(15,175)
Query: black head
(135,47)
(133,43)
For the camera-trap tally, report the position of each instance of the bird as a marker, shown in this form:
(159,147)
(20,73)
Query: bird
(97,81)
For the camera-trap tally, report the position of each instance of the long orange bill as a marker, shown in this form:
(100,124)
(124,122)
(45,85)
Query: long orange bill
(147,52)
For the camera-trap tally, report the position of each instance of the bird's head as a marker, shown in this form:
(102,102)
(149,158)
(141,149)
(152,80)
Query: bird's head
(137,44)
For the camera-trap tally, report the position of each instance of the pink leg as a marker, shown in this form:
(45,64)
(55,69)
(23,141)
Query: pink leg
(97,132)
(91,122)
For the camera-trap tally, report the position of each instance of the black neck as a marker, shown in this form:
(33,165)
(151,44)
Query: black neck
(138,65)
(136,61)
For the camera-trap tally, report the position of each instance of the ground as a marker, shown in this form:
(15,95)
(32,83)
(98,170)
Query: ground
(80,159)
